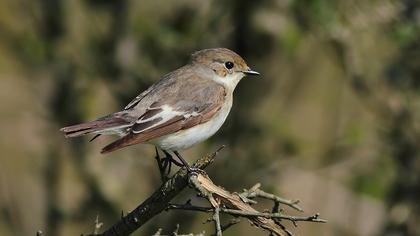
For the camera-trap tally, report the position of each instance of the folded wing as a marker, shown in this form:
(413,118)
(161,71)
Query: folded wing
(170,115)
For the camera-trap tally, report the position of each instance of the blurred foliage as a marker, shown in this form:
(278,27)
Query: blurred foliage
(334,121)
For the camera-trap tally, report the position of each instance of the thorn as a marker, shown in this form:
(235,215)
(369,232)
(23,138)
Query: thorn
(158,232)
(219,149)
(176,229)
(98,225)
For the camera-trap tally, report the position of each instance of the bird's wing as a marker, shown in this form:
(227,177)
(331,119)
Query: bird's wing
(139,97)
(195,103)
(167,84)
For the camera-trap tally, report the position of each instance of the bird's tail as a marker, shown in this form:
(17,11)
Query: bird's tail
(108,124)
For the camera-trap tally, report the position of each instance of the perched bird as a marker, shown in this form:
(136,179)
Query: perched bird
(183,108)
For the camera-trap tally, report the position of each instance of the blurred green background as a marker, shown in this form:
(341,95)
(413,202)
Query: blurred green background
(334,121)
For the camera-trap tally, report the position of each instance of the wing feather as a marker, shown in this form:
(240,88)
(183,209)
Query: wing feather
(141,133)
(180,101)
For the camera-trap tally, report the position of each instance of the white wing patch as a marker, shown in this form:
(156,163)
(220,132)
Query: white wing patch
(166,114)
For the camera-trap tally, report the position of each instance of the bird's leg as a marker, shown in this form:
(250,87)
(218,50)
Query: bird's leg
(169,157)
(163,163)
(168,162)
(185,163)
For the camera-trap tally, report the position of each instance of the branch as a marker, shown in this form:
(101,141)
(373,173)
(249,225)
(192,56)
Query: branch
(216,219)
(221,201)
(255,191)
(235,205)
(231,223)
(158,201)
(233,212)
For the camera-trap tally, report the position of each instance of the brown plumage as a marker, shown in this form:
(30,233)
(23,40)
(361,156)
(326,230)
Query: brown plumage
(198,94)
(171,126)
(100,125)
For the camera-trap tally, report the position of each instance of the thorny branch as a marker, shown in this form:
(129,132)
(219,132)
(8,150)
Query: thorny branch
(293,219)
(239,205)
(158,201)
(221,201)
(256,192)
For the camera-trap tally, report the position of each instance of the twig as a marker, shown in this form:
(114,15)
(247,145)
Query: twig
(233,212)
(216,219)
(158,201)
(158,232)
(276,209)
(294,219)
(283,228)
(255,191)
(175,233)
(204,193)
(188,207)
(235,205)
(221,201)
(231,223)
(98,225)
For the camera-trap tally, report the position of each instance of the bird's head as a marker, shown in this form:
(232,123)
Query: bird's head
(228,66)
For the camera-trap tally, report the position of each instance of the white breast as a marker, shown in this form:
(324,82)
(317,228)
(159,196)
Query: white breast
(186,138)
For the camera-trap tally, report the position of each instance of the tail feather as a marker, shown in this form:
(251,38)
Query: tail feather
(96,126)
(125,141)
(120,143)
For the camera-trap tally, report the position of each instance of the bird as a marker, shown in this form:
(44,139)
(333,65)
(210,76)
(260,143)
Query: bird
(183,108)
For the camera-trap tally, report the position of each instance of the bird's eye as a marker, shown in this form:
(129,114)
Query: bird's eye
(229,65)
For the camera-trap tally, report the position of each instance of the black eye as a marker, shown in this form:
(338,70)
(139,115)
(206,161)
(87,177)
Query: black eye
(229,65)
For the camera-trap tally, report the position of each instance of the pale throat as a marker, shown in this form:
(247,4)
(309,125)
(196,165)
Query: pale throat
(229,81)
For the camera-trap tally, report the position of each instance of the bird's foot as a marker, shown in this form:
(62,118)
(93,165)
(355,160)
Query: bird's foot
(165,164)
(169,157)
(191,170)
(195,171)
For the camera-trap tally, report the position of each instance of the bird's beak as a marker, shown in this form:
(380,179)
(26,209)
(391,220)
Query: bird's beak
(250,72)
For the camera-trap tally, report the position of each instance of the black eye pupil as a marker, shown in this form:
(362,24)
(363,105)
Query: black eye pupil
(229,65)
